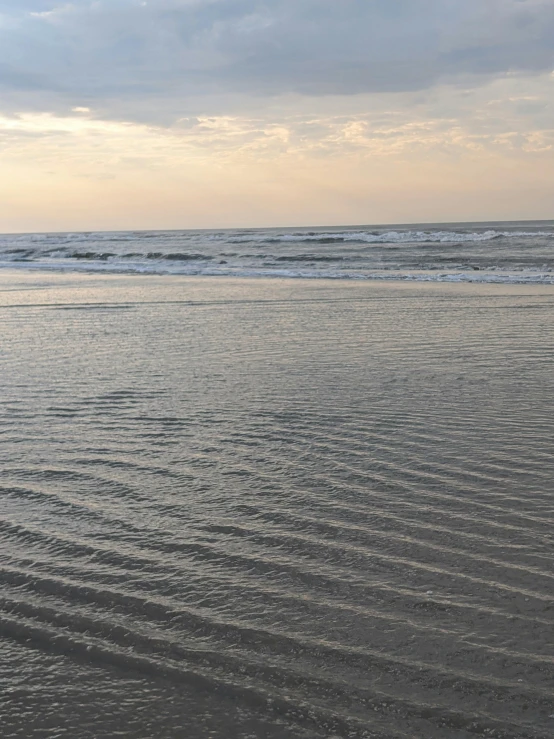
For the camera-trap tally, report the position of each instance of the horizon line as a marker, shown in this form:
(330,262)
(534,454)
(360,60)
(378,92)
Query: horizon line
(273,228)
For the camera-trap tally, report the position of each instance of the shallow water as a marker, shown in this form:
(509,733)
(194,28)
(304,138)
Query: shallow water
(275,508)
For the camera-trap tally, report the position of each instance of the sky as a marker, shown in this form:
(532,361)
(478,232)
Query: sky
(138,114)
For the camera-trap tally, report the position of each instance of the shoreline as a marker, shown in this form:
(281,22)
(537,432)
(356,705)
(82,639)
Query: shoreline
(31,272)
(492,277)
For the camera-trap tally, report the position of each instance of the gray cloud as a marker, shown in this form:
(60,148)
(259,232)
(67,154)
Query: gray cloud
(161,56)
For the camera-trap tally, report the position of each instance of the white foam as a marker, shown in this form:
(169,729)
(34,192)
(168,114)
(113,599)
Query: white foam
(492,276)
(475,254)
(390,237)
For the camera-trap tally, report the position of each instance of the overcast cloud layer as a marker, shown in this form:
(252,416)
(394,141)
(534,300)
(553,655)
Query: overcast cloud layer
(124,54)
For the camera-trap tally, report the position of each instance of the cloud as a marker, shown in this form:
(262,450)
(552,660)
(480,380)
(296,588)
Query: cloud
(511,119)
(158,59)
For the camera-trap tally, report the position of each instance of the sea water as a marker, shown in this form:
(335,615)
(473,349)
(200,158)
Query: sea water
(487,252)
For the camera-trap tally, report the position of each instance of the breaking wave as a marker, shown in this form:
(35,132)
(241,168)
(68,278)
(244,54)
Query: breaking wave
(520,253)
(391,237)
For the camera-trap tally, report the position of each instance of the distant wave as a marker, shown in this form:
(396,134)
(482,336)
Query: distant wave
(392,237)
(273,237)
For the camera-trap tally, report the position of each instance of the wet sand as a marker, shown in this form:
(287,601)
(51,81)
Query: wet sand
(275,508)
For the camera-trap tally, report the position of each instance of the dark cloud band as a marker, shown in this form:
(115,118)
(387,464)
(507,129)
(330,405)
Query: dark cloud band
(179,50)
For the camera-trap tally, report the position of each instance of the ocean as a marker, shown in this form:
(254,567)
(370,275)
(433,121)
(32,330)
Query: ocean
(275,507)
(516,252)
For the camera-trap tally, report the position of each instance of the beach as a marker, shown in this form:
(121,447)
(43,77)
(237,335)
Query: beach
(244,506)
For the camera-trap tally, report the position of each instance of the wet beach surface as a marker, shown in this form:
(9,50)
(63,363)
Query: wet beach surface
(275,508)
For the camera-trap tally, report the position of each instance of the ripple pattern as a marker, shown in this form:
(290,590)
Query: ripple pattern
(320,510)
